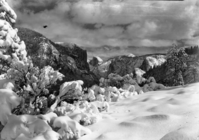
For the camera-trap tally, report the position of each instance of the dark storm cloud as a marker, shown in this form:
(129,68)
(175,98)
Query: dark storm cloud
(34,6)
(37,6)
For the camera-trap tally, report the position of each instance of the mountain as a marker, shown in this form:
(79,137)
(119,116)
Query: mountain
(69,59)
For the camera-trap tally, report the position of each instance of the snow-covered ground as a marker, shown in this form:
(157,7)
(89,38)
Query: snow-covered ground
(158,115)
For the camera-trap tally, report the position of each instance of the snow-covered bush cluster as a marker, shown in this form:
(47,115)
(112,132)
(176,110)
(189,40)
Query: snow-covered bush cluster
(134,83)
(117,87)
(32,85)
(60,122)
(30,82)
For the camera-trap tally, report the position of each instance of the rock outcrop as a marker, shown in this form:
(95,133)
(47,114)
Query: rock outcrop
(69,59)
(95,61)
(178,67)
(181,67)
(126,64)
(123,65)
(100,69)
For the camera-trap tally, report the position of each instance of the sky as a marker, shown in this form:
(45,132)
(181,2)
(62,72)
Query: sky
(96,23)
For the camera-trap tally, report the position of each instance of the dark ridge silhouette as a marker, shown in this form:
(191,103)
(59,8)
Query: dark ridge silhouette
(192,50)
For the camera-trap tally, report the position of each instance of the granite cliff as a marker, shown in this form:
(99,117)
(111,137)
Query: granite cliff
(69,59)
(124,64)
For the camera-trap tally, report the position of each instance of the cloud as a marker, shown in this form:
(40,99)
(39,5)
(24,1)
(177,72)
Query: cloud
(110,22)
(33,6)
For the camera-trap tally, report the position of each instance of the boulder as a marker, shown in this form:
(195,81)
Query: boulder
(69,59)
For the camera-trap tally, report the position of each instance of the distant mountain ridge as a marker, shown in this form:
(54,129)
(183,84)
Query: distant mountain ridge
(106,52)
(116,51)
